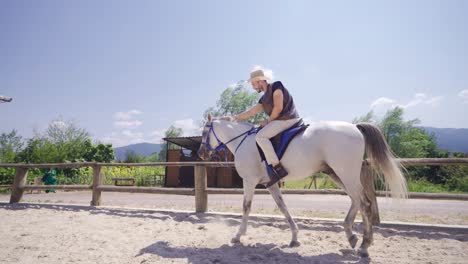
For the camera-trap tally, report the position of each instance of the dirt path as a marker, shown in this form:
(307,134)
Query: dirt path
(56,234)
(323,206)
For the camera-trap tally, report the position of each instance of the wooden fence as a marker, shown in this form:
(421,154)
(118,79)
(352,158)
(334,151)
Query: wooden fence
(200,191)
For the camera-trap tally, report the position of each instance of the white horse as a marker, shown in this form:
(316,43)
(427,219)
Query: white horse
(336,148)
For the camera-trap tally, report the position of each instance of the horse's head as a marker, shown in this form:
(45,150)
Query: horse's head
(225,130)
(209,140)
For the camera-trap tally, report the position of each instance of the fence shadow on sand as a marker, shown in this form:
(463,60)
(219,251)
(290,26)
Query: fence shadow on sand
(432,233)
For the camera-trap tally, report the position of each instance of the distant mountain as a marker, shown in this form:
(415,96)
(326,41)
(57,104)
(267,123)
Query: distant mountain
(142,149)
(451,139)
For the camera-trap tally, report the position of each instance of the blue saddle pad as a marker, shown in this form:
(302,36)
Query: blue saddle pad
(281,141)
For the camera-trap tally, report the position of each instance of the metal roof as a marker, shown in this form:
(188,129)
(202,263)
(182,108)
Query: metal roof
(192,143)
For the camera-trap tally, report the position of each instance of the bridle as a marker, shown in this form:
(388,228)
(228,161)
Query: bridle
(223,146)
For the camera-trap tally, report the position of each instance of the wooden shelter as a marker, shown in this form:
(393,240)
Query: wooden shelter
(185,149)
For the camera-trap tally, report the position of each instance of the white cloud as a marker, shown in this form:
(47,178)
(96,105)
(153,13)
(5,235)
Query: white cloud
(126,137)
(133,135)
(421,98)
(383,101)
(127,119)
(434,101)
(115,140)
(464,95)
(157,136)
(418,99)
(128,124)
(127,115)
(189,127)
(268,72)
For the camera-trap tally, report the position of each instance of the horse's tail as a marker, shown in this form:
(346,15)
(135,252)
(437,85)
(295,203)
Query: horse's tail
(383,161)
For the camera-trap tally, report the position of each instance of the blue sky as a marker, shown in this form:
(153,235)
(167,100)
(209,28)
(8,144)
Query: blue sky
(126,70)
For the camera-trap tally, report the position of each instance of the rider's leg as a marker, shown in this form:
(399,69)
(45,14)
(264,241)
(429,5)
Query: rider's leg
(266,133)
(263,140)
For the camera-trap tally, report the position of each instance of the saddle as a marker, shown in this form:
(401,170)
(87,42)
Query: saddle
(281,141)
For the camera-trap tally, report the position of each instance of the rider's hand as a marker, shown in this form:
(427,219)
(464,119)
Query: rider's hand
(264,123)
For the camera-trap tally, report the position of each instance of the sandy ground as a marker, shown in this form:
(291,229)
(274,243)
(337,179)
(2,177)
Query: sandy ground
(449,212)
(41,233)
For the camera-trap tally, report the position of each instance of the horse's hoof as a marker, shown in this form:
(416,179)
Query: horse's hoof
(353,240)
(363,253)
(294,244)
(235,240)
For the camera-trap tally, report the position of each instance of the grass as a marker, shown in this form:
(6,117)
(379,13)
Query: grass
(427,187)
(321,182)
(324,182)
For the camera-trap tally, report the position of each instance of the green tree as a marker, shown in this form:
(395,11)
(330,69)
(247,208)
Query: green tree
(405,140)
(132,157)
(38,150)
(10,145)
(367,118)
(172,131)
(98,153)
(104,153)
(69,139)
(408,141)
(154,157)
(61,131)
(235,100)
(62,141)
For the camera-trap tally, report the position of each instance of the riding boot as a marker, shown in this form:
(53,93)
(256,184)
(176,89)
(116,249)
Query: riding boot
(277,173)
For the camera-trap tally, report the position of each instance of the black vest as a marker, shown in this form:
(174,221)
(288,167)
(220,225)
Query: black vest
(289,109)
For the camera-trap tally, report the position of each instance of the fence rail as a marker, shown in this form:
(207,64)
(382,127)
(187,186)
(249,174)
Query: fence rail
(200,191)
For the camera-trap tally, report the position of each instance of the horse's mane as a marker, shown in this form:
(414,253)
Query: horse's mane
(236,122)
(244,123)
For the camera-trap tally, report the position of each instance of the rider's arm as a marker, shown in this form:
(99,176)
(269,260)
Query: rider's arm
(251,112)
(277,105)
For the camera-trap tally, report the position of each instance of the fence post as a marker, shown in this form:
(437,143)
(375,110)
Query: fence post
(18,183)
(201,196)
(97,180)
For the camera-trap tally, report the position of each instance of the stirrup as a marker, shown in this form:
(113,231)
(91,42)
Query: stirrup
(280,171)
(276,173)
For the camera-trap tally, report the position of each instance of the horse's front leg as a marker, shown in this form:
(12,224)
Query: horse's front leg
(276,193)
(249,190)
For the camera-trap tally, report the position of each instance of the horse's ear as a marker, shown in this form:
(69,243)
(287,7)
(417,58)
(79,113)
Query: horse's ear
(209,117)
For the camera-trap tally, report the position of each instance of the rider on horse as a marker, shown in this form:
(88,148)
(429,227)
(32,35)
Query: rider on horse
(278,104)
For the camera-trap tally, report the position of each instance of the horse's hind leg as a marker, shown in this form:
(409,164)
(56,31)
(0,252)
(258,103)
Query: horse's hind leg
(368,229)
(349,222)
(249,190)
(276,193)
(351,216)
(355,191)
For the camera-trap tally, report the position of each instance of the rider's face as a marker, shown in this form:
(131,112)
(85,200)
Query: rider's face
(256,86)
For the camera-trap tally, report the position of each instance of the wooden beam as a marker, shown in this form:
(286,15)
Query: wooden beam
(201,196)
(157,190)
(18,183)
(170,164)
(57,187)
(433,162)
(97,181)
(405,162)
(48,165)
